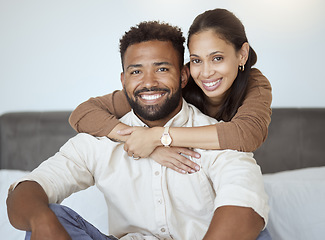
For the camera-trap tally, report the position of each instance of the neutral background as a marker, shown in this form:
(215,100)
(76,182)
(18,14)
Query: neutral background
(56,54)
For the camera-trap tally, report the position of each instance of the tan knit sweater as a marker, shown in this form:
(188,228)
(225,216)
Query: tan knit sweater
(245,132)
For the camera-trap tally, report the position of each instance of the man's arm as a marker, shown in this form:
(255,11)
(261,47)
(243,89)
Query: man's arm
(232,222)
(28,210)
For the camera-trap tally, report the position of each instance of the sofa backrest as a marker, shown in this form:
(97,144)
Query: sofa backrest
(28,138)
(296,139)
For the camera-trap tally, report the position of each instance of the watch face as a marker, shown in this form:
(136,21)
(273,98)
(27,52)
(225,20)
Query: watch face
(166,140)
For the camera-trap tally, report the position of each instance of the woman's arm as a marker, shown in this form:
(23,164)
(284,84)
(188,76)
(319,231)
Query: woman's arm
(246,131)
(99,116)
(190,137)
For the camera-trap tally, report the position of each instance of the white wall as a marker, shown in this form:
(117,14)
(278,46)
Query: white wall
(56,54)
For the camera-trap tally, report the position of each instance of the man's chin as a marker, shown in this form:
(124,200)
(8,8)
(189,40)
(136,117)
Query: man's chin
(156,111)
(149,112)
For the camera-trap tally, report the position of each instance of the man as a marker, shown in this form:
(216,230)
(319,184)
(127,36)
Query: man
(224,200)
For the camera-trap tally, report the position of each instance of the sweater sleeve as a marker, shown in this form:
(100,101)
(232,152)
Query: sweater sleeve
(98,116)
(248,129)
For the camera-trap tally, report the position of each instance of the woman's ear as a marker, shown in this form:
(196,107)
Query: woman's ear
(243,54)
(185,74)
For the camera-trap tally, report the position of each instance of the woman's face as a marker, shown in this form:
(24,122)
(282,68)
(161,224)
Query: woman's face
(214,63)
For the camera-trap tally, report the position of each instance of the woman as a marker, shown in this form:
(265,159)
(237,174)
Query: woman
(223,85)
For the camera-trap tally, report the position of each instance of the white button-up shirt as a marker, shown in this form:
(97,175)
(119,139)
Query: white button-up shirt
(144,197)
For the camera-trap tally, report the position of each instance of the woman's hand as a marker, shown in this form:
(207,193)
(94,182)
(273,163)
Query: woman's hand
(171,157)
(141,141)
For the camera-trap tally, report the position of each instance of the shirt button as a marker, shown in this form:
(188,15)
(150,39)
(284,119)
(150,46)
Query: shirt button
(157,173)
(159,201)
(163,230)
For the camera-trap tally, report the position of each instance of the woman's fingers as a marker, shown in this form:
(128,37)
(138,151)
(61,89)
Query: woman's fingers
(125,131)
(185,164)
(176,159)
(189,152)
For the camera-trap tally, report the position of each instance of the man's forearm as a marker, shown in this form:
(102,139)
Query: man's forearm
(232,222)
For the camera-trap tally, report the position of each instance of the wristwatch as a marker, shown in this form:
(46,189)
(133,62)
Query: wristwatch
(165,139)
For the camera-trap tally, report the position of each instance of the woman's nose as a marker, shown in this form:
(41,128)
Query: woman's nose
(207,70)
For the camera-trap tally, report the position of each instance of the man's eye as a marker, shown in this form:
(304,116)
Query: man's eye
(135,72)
(162,69)
(195,61)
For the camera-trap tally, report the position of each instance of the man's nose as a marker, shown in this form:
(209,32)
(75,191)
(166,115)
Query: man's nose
(149,80)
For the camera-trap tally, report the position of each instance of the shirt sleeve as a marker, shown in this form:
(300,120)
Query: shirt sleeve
(66,172)
(238,181)
(248,129)
(98,116)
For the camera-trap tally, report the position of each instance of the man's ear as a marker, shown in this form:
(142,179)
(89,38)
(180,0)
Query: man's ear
(185,74)
(244,52)
(122,78)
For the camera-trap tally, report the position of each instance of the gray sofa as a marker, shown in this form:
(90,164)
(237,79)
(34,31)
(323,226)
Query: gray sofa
(296,139)
(292,160)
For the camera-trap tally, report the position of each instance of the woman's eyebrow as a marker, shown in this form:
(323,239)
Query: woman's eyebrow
(210,54)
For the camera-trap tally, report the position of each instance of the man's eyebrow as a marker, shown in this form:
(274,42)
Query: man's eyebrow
(162,63)
(155,64)
(134,66)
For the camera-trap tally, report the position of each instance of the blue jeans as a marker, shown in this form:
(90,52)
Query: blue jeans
(80,229)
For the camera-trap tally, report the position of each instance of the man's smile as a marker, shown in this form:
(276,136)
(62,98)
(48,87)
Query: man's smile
(151,96)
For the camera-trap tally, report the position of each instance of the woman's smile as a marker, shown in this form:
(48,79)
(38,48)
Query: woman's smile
(211,85)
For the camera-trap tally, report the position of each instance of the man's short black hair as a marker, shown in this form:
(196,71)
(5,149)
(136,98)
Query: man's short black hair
(153,30)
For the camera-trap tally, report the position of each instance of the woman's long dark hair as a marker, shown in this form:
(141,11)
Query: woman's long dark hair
(227,26)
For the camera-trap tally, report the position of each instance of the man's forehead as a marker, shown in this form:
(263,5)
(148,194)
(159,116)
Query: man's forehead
(150,52)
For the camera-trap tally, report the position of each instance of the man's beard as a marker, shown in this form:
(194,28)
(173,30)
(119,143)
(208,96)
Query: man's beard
(158,111)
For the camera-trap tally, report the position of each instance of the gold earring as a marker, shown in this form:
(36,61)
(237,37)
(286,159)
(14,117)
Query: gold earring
(241,68)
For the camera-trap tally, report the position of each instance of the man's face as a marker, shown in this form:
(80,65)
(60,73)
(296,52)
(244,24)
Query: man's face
(152,80)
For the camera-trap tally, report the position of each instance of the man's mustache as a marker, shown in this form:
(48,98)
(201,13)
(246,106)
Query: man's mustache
(152,89)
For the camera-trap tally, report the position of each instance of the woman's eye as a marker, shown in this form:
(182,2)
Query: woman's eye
(195,61)
(218,59)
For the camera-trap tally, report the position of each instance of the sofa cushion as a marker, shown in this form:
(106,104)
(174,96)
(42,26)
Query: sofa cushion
(297,204)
